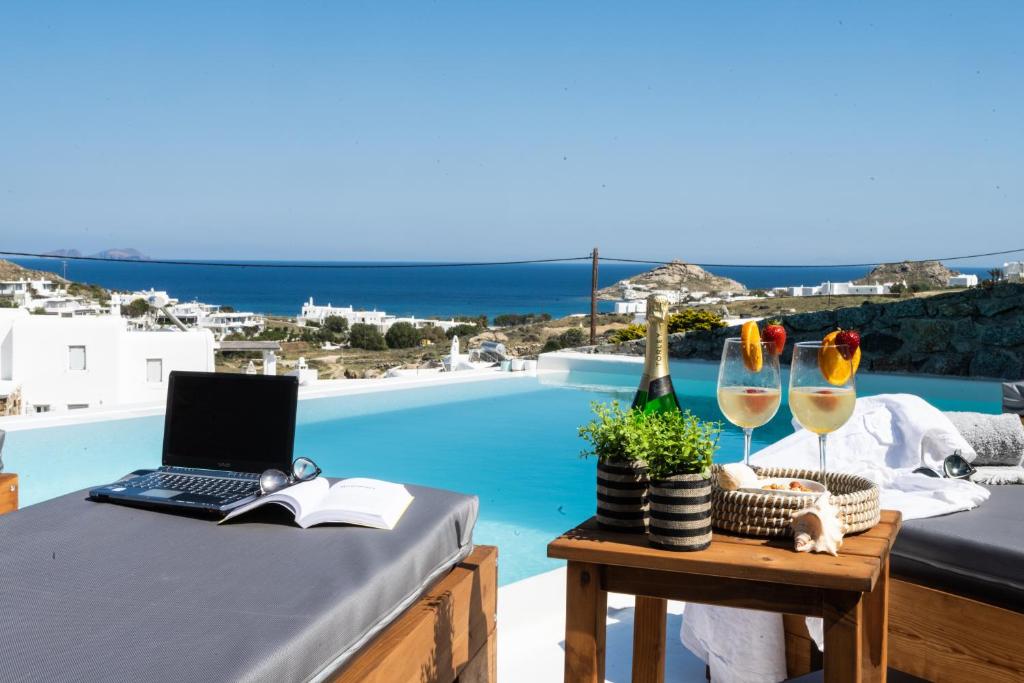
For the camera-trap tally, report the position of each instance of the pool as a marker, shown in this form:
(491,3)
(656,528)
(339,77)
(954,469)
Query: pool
(512,442)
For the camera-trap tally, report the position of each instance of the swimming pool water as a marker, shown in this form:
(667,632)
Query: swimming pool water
(512,442)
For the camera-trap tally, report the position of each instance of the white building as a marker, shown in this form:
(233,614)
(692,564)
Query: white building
(1014,271)
(24,288)
(631,307)
(59,364)
(837,289)
(317,313)
(962,280)
(193,314)
(224,323)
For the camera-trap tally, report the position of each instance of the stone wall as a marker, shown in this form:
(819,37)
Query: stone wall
(977,332)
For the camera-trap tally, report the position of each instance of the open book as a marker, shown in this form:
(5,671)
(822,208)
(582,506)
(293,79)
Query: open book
(364,502)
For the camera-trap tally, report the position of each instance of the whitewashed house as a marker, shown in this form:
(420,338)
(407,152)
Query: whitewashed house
(962,280)
(317,313)
(837,289)
(1014,271)
(59,364)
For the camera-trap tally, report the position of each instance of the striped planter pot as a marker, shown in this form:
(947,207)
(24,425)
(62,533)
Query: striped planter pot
(622,497)
(681,512)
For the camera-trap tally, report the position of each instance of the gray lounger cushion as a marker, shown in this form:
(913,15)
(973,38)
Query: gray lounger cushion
(96,591)
(978,553)
(997,439)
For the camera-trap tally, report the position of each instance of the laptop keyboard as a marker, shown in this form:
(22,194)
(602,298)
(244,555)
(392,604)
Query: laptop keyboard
(228,490)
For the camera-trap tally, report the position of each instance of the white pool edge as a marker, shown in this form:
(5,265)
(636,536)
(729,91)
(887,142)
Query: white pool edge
(322,389)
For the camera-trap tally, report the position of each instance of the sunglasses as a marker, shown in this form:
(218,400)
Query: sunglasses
(303,469)
(955,467)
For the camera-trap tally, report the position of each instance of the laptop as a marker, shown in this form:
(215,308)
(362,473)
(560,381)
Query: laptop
(221,431)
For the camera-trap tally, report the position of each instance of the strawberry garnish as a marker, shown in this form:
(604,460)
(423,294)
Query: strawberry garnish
(850,339)
(774,335)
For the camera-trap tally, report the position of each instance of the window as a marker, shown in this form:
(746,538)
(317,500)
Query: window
(76,358)
(77,406)
(154,370)
(42,408)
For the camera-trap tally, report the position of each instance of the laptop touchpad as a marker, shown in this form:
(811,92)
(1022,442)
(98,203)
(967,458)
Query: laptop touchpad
(160,493)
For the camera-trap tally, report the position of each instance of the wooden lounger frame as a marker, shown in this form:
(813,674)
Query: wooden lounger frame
(934,635)
(447,636)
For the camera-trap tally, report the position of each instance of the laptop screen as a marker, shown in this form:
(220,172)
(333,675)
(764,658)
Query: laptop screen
(223,421)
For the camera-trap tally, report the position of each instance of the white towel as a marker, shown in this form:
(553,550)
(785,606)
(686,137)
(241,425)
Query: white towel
(884,440)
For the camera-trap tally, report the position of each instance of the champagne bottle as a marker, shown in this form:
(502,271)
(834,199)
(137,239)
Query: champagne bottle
(655,393)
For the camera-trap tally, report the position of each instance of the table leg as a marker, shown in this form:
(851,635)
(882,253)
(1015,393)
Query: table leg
(649,617)
(875,633)
(586,611)
(843,616)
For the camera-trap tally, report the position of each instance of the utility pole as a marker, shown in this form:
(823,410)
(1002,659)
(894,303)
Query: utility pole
(593,299)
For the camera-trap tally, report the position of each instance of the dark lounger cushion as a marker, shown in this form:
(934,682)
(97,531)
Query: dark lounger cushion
(977,554)
(97,591)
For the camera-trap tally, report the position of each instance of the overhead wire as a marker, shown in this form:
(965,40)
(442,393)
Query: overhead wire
(471,264)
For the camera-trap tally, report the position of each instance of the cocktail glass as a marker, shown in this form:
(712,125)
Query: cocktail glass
(748,398)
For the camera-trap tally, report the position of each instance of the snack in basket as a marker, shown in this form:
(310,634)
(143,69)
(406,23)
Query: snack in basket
(817,528)
(792,486)
(736,475)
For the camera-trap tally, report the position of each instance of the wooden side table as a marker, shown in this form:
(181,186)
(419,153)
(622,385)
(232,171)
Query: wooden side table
(849,591)
(8,492)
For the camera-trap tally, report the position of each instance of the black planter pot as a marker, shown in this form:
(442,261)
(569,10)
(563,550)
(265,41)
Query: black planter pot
(622,497)
(681,512)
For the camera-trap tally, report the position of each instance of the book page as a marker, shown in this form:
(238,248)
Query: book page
(366,502)
(299,498)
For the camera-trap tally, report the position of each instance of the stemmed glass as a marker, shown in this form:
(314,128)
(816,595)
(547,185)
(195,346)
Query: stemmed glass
(748,395)
(821,404)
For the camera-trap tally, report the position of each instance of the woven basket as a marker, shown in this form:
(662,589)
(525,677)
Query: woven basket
(768,514)
(680,512)
(622,497)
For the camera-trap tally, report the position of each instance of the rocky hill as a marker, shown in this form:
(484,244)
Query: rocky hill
(932,274)
(674,276)
(12,271)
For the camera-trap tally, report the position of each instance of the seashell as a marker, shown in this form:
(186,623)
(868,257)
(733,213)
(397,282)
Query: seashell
(736,475)
(818,528)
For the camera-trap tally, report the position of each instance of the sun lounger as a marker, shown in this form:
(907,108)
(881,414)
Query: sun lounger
(956,595)
(97,591)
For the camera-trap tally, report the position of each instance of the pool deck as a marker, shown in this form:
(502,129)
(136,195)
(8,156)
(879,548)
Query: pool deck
(531,632)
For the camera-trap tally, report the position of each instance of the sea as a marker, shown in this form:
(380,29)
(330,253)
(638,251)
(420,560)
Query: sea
(557,288)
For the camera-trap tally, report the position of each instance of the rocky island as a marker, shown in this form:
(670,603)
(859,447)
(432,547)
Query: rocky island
(674,276)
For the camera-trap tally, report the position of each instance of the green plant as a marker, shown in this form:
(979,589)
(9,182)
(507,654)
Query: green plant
(136,308)
(571,338)
(464,331)
(625,334)
(512,319)
(675,443)
(402,336)
(432,333)
(363,336)
(691,319)
(610,433)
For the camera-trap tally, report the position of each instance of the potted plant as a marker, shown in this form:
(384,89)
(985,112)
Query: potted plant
(621,478)
(678,448)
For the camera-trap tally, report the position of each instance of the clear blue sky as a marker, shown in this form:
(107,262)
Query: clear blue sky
(752,132)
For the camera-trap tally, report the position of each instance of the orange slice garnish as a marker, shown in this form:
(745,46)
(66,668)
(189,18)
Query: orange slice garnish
(750,344)
(836,369)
